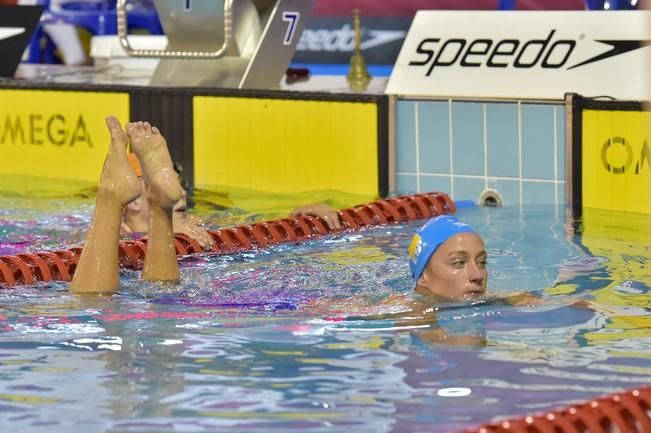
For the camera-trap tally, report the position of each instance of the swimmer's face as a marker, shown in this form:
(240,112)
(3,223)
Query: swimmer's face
(139,209)
(182,204)
(456,270)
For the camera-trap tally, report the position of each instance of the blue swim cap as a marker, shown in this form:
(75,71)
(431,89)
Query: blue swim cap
(429,237)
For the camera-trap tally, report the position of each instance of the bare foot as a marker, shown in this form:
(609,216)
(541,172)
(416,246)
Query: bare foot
(158,171)
(98,269)
(118,179)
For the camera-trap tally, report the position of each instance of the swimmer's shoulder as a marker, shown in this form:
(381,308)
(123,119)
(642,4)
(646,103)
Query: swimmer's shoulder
(519,299)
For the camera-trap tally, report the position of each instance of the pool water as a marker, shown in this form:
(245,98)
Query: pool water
(276,340)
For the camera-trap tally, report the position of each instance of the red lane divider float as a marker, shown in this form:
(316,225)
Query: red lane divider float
(61,265)
(625,412)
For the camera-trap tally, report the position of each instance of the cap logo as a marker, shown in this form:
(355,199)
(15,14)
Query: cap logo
(416,247)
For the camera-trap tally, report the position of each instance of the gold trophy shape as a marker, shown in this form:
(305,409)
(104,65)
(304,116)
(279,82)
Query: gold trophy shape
(358,76)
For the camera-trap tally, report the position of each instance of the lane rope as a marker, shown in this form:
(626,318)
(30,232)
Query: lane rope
(28,268)
(624,412)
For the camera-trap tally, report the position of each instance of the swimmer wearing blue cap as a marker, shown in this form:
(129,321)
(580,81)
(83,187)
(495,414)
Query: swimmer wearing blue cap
(447,259)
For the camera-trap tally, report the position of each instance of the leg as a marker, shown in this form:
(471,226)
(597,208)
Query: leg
(162,190)
(98,269)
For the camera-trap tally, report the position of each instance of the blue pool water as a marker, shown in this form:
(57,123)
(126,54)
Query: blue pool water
(259,342)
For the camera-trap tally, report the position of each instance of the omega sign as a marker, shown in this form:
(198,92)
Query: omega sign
(37,129)
(618,156)
(524,54)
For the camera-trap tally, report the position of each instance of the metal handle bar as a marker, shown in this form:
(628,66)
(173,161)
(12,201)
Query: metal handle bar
(167,54)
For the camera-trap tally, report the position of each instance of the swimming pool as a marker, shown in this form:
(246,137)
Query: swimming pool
(256,342)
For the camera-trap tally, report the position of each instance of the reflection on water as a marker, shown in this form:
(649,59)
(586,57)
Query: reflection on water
(276,340)
(36,223)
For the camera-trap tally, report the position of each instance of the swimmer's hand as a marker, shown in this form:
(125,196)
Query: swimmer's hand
(320,210)
(591,305)
(125,229)
(527,299)
(192,227)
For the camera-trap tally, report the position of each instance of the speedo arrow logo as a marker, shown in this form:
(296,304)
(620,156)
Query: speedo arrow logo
(618,47)
(10,32)
(381,37)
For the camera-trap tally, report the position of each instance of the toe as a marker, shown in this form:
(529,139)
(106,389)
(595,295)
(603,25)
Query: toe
(115,129)
(111,121)
(113,124)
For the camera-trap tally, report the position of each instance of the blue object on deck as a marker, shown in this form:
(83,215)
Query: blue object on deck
(98,17)
(465,204)
(506,5)
(611,5)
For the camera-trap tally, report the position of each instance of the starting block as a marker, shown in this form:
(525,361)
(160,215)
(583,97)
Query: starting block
(243,44)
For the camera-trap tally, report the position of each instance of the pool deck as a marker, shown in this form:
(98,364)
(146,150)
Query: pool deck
(119,75)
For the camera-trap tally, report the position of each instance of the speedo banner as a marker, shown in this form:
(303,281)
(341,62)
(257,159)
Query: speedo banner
(616,163)
(524,54)
(331,40)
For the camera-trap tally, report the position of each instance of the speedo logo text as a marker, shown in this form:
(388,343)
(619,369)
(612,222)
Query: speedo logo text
(546,53)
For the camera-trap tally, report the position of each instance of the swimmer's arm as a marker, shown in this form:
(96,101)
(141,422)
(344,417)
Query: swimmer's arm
(527,299)
(591,305)
(418,314)
(520,299)
(440,336)
(422,315)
